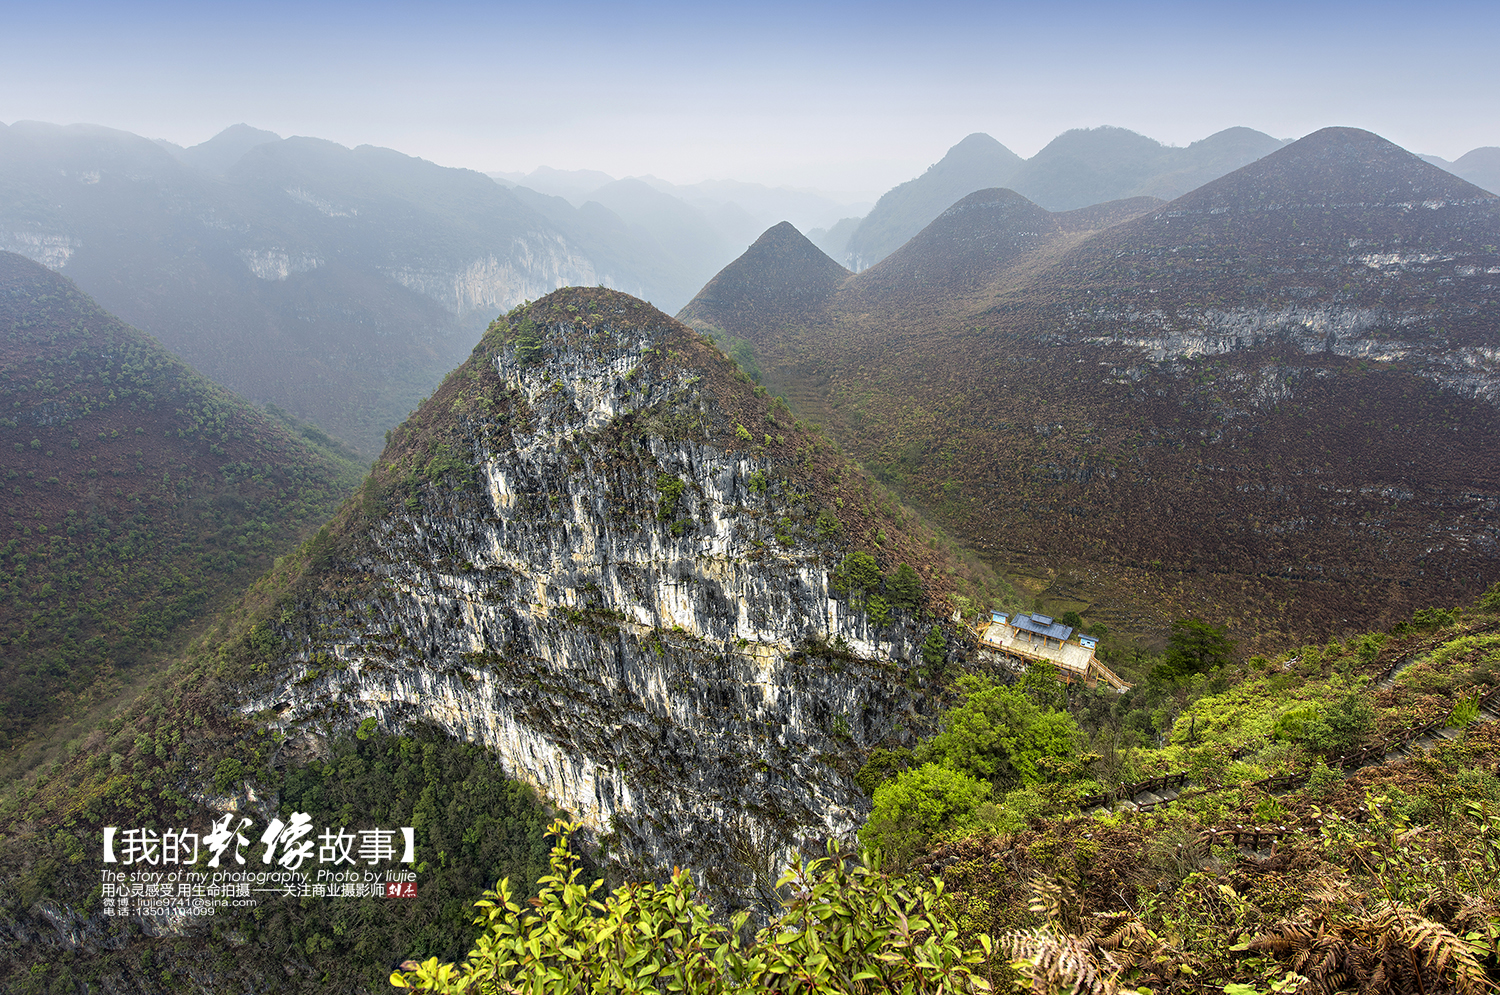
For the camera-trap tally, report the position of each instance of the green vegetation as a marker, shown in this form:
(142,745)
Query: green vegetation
(1000,739)
(670,489)
(1387,871)
(528,342)
(844,927)
(858,578)
(472,825)
(142,497)
(1194,647)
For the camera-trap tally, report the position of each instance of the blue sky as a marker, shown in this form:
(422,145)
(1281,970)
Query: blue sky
(841,96)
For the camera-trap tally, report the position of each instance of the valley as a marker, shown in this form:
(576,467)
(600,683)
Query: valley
(1225,405)
(702,593)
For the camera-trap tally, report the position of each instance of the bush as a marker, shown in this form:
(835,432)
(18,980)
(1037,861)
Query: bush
(935,651)
(1338,730)
(528,342)
(1001,735)
(1194,647)
(882,766)
(919,804)
(1432,618)
(857,575)
(846,927)
(670,489)
(904,588)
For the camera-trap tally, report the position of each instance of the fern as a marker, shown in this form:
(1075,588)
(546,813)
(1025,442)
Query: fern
(1393,950)
(1059,962)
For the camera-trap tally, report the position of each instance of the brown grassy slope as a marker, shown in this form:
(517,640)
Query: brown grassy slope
(1342,218)
(1278,490)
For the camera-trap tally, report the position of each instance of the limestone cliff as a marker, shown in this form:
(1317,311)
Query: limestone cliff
(597,551)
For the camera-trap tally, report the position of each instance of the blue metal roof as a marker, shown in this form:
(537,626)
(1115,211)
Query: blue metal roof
(1042,625)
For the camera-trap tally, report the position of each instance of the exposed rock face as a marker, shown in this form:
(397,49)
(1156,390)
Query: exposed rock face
(1340,244)
(537,265)
(634,613)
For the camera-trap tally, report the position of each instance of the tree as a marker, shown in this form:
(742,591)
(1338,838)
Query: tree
(935,651)
(903,588)
(857,575)
(1001,735)
(528,342)
(916,805)
(1194,647)
(882,766)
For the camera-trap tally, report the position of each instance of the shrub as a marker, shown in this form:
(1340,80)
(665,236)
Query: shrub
(858,574)
(845,927)
(1338,729)
(528,342)
(934,651)
(1432,618)
(671,489)
(1194,647)
(918,804)
(882,766)
(903,588)
(1000,734)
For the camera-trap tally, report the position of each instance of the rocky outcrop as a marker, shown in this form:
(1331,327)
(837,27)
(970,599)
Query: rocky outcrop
(536,265)
(631,610)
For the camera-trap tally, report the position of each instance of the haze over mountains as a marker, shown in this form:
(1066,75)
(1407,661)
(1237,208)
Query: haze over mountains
(1078,168)
(340,284)
(138,495)
(1281,384)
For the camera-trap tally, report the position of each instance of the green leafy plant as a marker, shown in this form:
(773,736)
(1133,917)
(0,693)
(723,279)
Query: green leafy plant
(844,927)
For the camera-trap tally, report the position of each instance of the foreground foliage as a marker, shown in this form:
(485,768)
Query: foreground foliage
(1336,828)
(845,928)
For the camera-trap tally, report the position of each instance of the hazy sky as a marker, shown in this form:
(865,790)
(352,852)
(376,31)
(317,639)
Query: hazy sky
(850,97)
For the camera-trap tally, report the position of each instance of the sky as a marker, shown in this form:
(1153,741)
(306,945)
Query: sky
(848,98)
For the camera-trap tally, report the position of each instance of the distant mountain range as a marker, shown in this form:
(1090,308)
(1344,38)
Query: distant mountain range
(1277,390)
(1076,169)
(340,284)
(1480,167)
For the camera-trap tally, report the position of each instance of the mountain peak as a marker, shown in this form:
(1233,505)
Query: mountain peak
(1351,165)
(978,145)
(973,238)
(782,274)
(226,148)
(976,163)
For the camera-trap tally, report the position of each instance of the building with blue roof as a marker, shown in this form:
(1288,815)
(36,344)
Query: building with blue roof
(1037,637)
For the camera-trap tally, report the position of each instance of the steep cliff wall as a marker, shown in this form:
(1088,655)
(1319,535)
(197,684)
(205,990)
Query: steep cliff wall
(589,564)
(536,264)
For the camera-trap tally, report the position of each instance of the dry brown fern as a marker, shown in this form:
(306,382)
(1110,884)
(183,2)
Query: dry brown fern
(1406,941)
(1059,962)
(1392,951)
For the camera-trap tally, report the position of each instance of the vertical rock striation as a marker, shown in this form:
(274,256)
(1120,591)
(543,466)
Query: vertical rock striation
(593,569)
